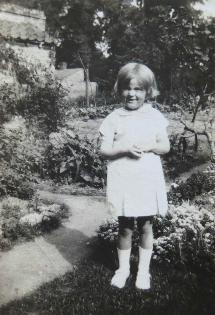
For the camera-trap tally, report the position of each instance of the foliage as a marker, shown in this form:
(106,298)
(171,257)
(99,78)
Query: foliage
(31,107)
(99,107)
(17,68)
(187,237)
(21,159)
(175,45)
(174,3)
(195,185)
(184,237)
(44,105)
(33,92)
(181,159)
(72,159)
(19,219)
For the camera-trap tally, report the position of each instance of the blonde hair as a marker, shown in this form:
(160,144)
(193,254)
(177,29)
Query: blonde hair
(142,73)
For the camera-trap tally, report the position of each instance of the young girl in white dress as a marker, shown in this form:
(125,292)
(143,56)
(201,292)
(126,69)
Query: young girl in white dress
(132,139)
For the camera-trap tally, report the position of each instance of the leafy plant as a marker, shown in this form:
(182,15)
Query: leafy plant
(184,237)
(23,220)
(21,160)
(71,159)
(195,185)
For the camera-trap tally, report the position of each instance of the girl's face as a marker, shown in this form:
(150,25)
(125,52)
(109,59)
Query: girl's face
(133,95)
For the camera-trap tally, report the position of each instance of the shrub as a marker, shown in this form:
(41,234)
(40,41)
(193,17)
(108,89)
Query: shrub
(186,236)
(31,92)
(195,185)
(21,159)
(44,105)
(30,107)
(71,159)
(177,161)
(21,219)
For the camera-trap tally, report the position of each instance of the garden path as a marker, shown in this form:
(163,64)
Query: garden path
(27,266)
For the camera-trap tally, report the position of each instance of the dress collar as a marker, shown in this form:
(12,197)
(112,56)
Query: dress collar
(147,107)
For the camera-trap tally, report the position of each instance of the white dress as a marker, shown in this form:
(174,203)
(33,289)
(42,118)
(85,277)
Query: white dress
(135,187)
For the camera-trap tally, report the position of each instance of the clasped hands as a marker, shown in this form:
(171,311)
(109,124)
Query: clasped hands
(137,151)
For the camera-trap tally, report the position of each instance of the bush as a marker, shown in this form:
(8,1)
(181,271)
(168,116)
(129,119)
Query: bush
(71,159)
(22,158)
(176,161)
(23,220)
(31,106)
(186,236)
(31,92)
(44,105)
(195,185)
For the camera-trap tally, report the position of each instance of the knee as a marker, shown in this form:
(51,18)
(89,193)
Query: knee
(125,232)
(146,229)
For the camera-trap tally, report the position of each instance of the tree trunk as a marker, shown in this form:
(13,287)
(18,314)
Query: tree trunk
(87,86)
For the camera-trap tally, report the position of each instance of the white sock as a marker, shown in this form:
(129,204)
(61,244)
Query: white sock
(143,275)
(122,273)
(144,260)
(124,258)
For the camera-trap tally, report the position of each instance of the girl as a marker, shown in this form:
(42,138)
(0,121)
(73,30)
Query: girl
(132,138)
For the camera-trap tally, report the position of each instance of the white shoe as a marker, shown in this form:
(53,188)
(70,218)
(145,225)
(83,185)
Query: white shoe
(119,278)
(143,281)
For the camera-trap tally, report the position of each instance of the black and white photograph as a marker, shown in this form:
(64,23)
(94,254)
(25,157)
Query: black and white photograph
(107,157)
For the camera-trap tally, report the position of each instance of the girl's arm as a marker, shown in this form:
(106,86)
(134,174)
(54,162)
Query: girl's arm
(162,143)
(111,153)
(161,146)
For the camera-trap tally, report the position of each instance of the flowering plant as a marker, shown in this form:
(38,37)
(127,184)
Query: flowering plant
(197,184)
(185,236)
(188,237)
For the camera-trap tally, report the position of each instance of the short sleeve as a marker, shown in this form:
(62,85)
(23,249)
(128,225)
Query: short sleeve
(161,121)
(108,128)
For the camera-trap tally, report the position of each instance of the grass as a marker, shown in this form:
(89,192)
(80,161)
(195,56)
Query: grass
(86,291)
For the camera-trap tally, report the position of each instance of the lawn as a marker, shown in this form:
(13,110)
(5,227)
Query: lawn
(86,291)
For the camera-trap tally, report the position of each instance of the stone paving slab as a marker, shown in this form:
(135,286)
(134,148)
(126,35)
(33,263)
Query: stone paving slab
(27,266)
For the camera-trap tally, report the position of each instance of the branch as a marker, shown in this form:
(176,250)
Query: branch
(193,130)
(85,69)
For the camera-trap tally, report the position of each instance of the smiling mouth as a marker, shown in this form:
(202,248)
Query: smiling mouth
(131,100)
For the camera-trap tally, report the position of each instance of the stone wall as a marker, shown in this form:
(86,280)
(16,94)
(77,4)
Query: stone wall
(35,55)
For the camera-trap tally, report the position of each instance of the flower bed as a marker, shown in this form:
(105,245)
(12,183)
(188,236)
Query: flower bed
(196,185)
(23,220)
(186,236)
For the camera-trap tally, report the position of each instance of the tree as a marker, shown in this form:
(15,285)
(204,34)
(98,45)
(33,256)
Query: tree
(175,42)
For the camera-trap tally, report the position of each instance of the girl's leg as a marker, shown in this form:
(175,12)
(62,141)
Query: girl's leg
(145,251)
(144,225)
(126,226)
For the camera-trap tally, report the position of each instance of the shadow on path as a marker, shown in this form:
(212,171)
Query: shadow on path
(72,244)
(30,265)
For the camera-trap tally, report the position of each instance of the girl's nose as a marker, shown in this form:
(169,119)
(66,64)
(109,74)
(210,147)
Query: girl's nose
(131,92)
